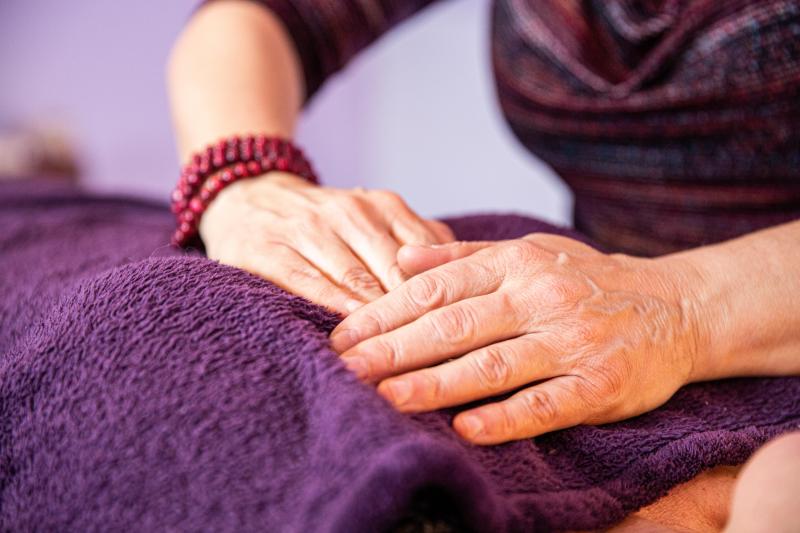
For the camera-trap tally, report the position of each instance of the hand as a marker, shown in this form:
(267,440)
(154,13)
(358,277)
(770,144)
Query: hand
(335,247)
(578,335)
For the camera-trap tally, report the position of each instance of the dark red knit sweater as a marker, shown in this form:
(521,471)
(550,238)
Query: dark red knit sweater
(674,122)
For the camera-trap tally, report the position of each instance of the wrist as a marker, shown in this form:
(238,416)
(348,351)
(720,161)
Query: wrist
(223,164)
(691,288)
(234,201)
(723,332)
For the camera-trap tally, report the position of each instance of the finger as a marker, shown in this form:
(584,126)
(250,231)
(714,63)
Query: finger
(441,230)
(487,371)
(406,225)
(436,288)
(549,406)
(438,335)
(374,245)
(289,270)
(326,251)
(416,259)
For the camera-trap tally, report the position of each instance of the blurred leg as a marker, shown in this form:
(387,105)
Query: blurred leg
(767,495)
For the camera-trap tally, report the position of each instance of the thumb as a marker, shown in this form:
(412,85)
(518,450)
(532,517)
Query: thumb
(414,259)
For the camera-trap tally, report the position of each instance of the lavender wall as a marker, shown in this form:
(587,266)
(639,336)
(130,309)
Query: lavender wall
(415,114)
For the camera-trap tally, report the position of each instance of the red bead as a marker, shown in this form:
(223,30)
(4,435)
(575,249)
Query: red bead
(240,170)
(213,184)
(204,168)
(224,162)
(219,159)
(254,168)
(232,151)
(196,205)
(178,207)
(226,176)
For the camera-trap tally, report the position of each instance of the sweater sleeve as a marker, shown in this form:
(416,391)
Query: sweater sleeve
(328,33)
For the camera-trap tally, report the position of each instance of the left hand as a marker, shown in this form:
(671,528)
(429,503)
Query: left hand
(586,337)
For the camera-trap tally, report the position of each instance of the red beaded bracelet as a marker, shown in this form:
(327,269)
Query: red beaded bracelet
(221,164)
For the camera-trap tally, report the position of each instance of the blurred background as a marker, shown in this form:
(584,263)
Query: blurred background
(416,113)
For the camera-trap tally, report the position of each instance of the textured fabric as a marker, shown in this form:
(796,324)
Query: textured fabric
(674,122)
(145,389)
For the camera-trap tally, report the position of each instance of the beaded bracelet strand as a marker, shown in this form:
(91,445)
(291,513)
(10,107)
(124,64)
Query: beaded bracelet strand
(223,163)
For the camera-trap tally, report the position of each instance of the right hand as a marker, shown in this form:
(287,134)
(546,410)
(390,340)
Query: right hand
(335,247)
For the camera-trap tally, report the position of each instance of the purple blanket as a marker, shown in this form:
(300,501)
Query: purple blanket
(146,389)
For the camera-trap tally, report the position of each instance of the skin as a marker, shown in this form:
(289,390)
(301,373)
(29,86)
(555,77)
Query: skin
(577,336)
(573,335)
(336,247)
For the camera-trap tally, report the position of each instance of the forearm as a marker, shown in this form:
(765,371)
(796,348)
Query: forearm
(749,305)
(234,70)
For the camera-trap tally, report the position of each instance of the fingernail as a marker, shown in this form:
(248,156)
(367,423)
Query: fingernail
(399,390)
(357,365)
(344,339)
(353,305)
(473,426)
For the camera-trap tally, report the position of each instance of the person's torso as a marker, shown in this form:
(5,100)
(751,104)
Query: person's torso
(675,123)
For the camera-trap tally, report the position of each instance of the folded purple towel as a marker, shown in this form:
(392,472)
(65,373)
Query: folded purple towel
(144,389)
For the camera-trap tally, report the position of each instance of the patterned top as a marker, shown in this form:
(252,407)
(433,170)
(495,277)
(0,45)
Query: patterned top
(674,122)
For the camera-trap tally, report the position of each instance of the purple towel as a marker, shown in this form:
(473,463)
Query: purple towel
(146,389)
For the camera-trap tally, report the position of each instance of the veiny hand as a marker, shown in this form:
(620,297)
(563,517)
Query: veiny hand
(335,247)
(580,336)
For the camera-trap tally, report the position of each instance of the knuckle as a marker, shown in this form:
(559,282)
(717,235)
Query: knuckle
(299,275)
(515,308)
(613,381)
(506,423)
(339,204)
(359,278)
(427,292)
(455,324)
(348,202)
(435,391)
(389,196)
(556,290)
(607,385)
(519,251)
(392,362)
(539,407)
(492,369)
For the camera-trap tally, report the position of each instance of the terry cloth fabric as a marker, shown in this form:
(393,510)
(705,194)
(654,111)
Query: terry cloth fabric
(674,122)
(147,389)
